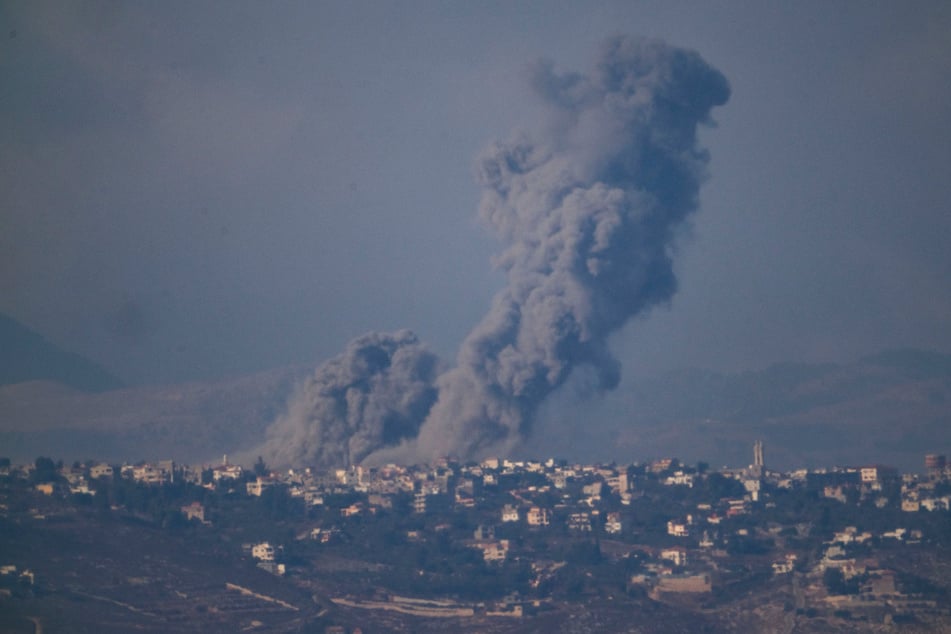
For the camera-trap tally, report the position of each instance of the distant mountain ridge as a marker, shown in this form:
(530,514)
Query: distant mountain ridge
(782,389)
(892,407)
(190,422)
(26,355)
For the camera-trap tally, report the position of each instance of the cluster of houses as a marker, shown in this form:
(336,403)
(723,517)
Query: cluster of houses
(578,498)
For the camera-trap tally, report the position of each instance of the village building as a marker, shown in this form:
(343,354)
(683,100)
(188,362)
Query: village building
(263,551)
(194,511)
(509,513)
(613,523)
(538,516)
(675,555)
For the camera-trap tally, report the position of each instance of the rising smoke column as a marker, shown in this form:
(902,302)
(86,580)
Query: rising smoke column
(588,210)
(373,395)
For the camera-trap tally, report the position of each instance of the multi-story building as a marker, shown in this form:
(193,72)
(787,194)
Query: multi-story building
(538,516)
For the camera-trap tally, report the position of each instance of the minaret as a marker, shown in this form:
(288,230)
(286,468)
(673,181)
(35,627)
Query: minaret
(756,470)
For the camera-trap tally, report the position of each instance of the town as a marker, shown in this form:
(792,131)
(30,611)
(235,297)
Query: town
(498,545)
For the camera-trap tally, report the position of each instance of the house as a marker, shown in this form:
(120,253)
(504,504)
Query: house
(785,566)
(101,470)
(509,513)
(538,516)
(678,529)
(148,474)
(613,523)
(876,474)
(752,487)
(898,533)
(675,555)
(353,509)
(313,498)
(490,463)
(381,501)
(737,507)
(81,488)
(495,550)
(935,504)
(579,522)
(73,475)
(483,532)
(834,493)
(659,466)
(227,472)
(419,503)
(592,490)
(680,478)
(194,511)
(324,535)
(619,483)
(263,551)
(259,486)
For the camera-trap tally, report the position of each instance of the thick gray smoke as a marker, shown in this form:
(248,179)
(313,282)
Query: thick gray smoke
(588,209)
(373,395)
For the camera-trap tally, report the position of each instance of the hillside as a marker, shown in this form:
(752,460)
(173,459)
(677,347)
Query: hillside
(889,408)
(892,407)
(27,356)
(191,422)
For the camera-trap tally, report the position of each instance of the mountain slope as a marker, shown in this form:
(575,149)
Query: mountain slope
(892,407)
(26,356)
(191,422)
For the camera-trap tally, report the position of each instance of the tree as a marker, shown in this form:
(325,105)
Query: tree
(45,470)
(836,583)
(260,468)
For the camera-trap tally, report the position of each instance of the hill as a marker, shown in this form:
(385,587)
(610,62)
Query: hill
(191,422)
(891,407)
(27,356)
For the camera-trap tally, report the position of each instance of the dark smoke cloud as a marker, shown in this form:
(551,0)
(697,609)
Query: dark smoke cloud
(373,395)
(588,209)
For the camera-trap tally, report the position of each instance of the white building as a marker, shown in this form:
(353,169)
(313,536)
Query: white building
(259,485)
(613,523)
(495,551)
(101,470)
(538,516)
(263,551)
(675,555)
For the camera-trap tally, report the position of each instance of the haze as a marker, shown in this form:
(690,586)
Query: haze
(191,191)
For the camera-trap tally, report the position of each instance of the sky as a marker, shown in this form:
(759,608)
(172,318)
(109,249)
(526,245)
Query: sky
(201,190)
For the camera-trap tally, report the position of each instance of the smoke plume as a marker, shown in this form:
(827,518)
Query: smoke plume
(588,209)
(373,395)
(588,212)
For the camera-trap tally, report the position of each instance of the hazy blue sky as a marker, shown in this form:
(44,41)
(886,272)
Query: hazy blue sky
(194,190)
